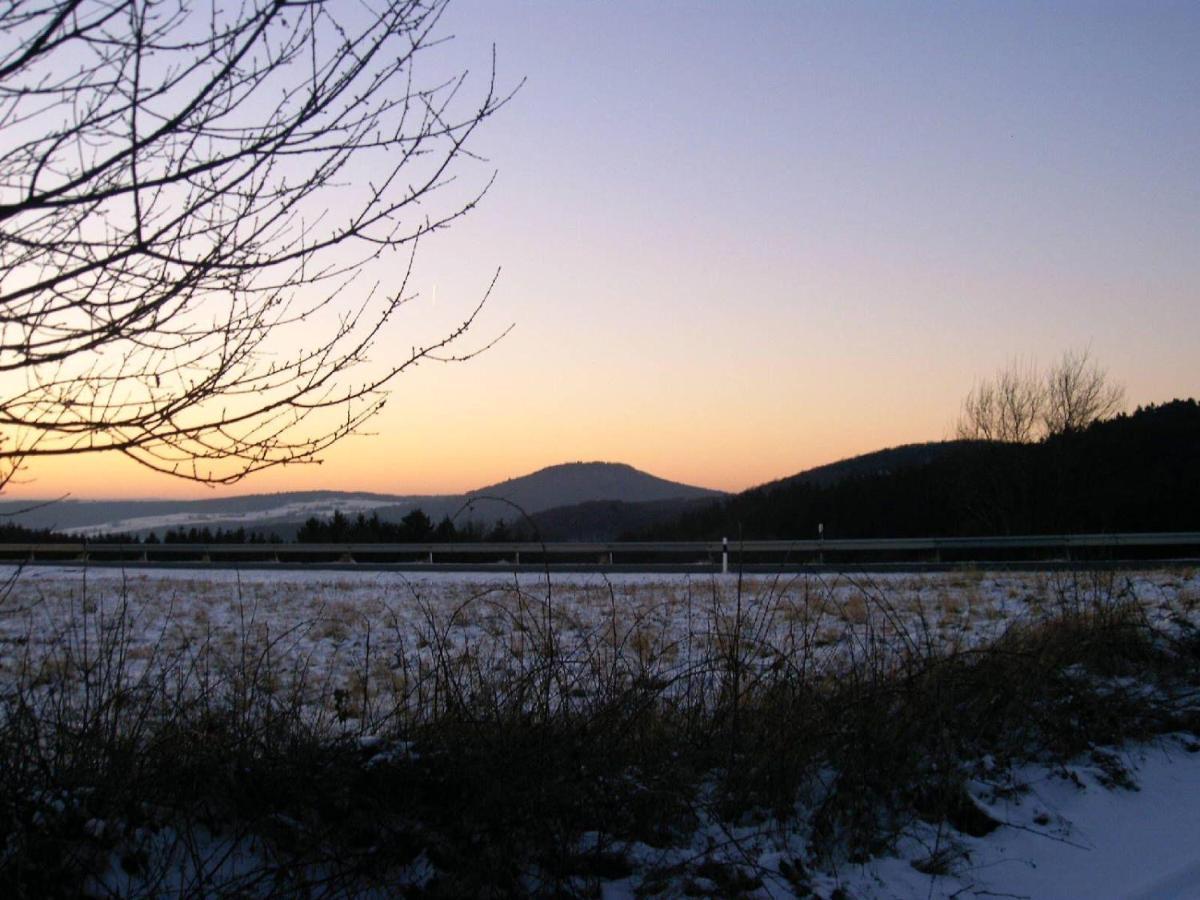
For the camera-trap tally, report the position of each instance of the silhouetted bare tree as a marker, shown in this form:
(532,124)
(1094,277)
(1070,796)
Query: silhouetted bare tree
(1078,393)
(1007,407)
(189,194)
(1020,404)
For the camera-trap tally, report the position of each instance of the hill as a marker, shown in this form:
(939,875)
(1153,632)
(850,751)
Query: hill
(878,462)
(1137,472)
(284,513)
(263,511)
(582,482)
(608,520)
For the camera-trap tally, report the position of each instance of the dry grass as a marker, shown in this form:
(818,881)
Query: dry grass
(478,735)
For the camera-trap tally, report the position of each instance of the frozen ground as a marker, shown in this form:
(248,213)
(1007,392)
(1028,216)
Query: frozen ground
(341,621)
(1067,831)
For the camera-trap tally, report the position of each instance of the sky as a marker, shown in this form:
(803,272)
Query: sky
(740,240)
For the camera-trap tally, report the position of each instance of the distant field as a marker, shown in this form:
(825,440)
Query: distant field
(344,625)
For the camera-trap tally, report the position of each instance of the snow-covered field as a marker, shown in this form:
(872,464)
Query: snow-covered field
(334,619)
(1067,830)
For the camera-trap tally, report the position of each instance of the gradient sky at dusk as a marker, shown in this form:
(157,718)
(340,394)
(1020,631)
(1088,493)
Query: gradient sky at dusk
(739,240)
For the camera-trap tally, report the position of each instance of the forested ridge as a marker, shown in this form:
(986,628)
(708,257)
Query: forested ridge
(1134,472)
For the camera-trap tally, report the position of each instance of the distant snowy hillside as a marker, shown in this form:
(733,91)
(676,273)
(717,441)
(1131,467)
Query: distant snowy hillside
(283,513)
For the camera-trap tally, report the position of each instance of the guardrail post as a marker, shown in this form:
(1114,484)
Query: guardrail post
(516,557)
(724,556)
(430,559)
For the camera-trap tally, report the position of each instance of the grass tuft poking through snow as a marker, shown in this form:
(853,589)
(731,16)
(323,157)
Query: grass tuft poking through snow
(494,737)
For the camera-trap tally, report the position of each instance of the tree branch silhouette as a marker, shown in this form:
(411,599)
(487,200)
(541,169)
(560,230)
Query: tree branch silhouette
(192,203)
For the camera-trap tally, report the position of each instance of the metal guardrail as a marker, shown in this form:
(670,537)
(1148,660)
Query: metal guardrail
(705,555)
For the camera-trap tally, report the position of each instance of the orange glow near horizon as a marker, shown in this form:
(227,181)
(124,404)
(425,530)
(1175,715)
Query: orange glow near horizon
(821,270)
(729,447)
(708,438)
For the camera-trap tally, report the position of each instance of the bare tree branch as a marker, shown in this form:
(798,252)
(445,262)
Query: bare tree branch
(1006,407)
(186,195)
(1020,404)
(1078,393)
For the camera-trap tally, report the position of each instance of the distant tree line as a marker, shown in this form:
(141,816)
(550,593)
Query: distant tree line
(208,535)
(1133,472)
(415,527)
(12,533)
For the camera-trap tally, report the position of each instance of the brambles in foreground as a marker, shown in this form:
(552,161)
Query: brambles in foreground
(592,753)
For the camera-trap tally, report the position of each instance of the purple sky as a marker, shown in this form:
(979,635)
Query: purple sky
(742,239)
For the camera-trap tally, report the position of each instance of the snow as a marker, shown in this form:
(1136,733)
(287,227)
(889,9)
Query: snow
(1067,837)
(331,612)
(297,510)
(348,622)
(1067,831)
(1070,836)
